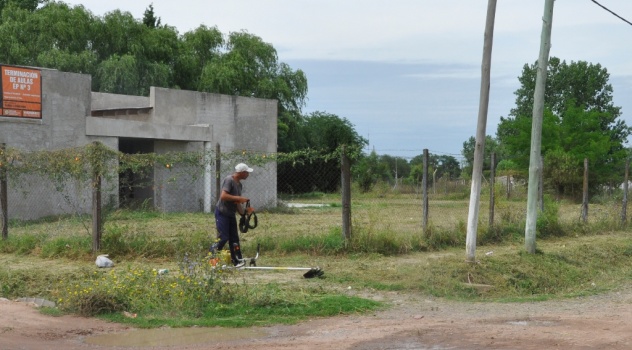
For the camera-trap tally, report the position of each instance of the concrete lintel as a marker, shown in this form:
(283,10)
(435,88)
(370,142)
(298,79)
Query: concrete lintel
(96,126)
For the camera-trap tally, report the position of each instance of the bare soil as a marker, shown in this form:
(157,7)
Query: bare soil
(413,322)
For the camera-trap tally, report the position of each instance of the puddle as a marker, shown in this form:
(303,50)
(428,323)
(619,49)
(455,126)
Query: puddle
(306,205)
(531,323)
(173,336)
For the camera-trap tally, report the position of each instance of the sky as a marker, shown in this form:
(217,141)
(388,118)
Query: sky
(407,73)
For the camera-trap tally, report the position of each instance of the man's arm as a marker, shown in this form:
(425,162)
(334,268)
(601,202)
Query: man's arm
(227,197)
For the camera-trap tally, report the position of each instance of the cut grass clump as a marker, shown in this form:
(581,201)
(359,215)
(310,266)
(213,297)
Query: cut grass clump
(98,303)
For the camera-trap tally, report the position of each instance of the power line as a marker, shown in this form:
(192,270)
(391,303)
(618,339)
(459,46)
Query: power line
(607,9)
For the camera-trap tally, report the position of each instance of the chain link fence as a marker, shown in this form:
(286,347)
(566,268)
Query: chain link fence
(58,192)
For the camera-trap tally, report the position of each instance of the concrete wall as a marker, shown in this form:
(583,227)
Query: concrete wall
(176,120)
(237,123)
(178,189)
(102,100)
(66,100)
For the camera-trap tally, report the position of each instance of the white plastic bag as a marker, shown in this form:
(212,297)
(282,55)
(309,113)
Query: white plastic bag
(103,261)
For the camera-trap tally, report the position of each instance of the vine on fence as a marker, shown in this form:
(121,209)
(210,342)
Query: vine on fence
(83,163)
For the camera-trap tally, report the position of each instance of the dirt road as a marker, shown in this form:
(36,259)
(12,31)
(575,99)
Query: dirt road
(414,322)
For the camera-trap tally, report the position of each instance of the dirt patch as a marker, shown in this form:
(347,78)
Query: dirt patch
(413,322)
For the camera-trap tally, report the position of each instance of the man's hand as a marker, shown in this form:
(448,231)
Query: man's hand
(250,210)
(241,200)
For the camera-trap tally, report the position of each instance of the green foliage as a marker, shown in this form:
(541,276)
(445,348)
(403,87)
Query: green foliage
(126,55)
(580,122)
(397,165)
(507,166)
(317,166)
(492,145)
(29,5)
(575,270)
(21,245)
(149,17)
(439,167)
(387,242)
(198,294)
(369,170)
(547,224)
(331,243)
(74,247)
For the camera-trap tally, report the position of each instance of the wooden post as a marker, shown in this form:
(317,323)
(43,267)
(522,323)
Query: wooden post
(585,194)
(345,179)
(208,189)
(624,208)
(3,192)
(508,184)
(492,185)
(536,128)
(97,224)
(218,174)
(424,185)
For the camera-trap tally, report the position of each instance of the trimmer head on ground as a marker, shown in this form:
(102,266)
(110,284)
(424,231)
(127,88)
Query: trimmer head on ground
(251,264)
(314,272)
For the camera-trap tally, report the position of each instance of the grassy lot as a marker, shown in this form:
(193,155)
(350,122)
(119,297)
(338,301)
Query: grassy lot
(388,252)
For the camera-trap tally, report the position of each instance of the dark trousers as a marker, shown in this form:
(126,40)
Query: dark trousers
(227,233)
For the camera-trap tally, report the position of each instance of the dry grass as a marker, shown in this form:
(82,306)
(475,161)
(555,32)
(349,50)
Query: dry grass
(399,214)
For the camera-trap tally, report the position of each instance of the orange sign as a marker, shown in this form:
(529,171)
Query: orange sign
(21,92)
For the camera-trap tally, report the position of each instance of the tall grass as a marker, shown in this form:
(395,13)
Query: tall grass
(390,225)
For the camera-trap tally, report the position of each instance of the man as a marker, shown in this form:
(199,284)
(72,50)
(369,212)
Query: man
(230,203)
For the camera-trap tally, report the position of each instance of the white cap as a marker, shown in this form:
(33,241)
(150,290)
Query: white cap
(241,167)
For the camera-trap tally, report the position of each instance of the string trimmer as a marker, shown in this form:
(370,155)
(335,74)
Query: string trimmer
(251,264)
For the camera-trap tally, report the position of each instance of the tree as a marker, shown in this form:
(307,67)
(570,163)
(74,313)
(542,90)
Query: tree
(564,174)
(250,67)
(397,166)
(492,145)
(580,121)
(369,171)
(149,18)
(125,55)
(29,5)
(197,48)
(448,167)
(325,133)
(439,165)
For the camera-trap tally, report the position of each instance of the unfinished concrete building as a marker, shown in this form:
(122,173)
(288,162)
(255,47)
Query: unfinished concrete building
(44,109)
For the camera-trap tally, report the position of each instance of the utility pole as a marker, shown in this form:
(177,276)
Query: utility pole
(479,148)
(536,128)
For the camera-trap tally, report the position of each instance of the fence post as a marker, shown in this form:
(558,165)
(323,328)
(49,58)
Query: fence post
(218,173)
(97,219)
(3,192)
(624,209)
(508,191)
(424,185)
(492,185)
(208,190)
(585,194)
(345,172)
